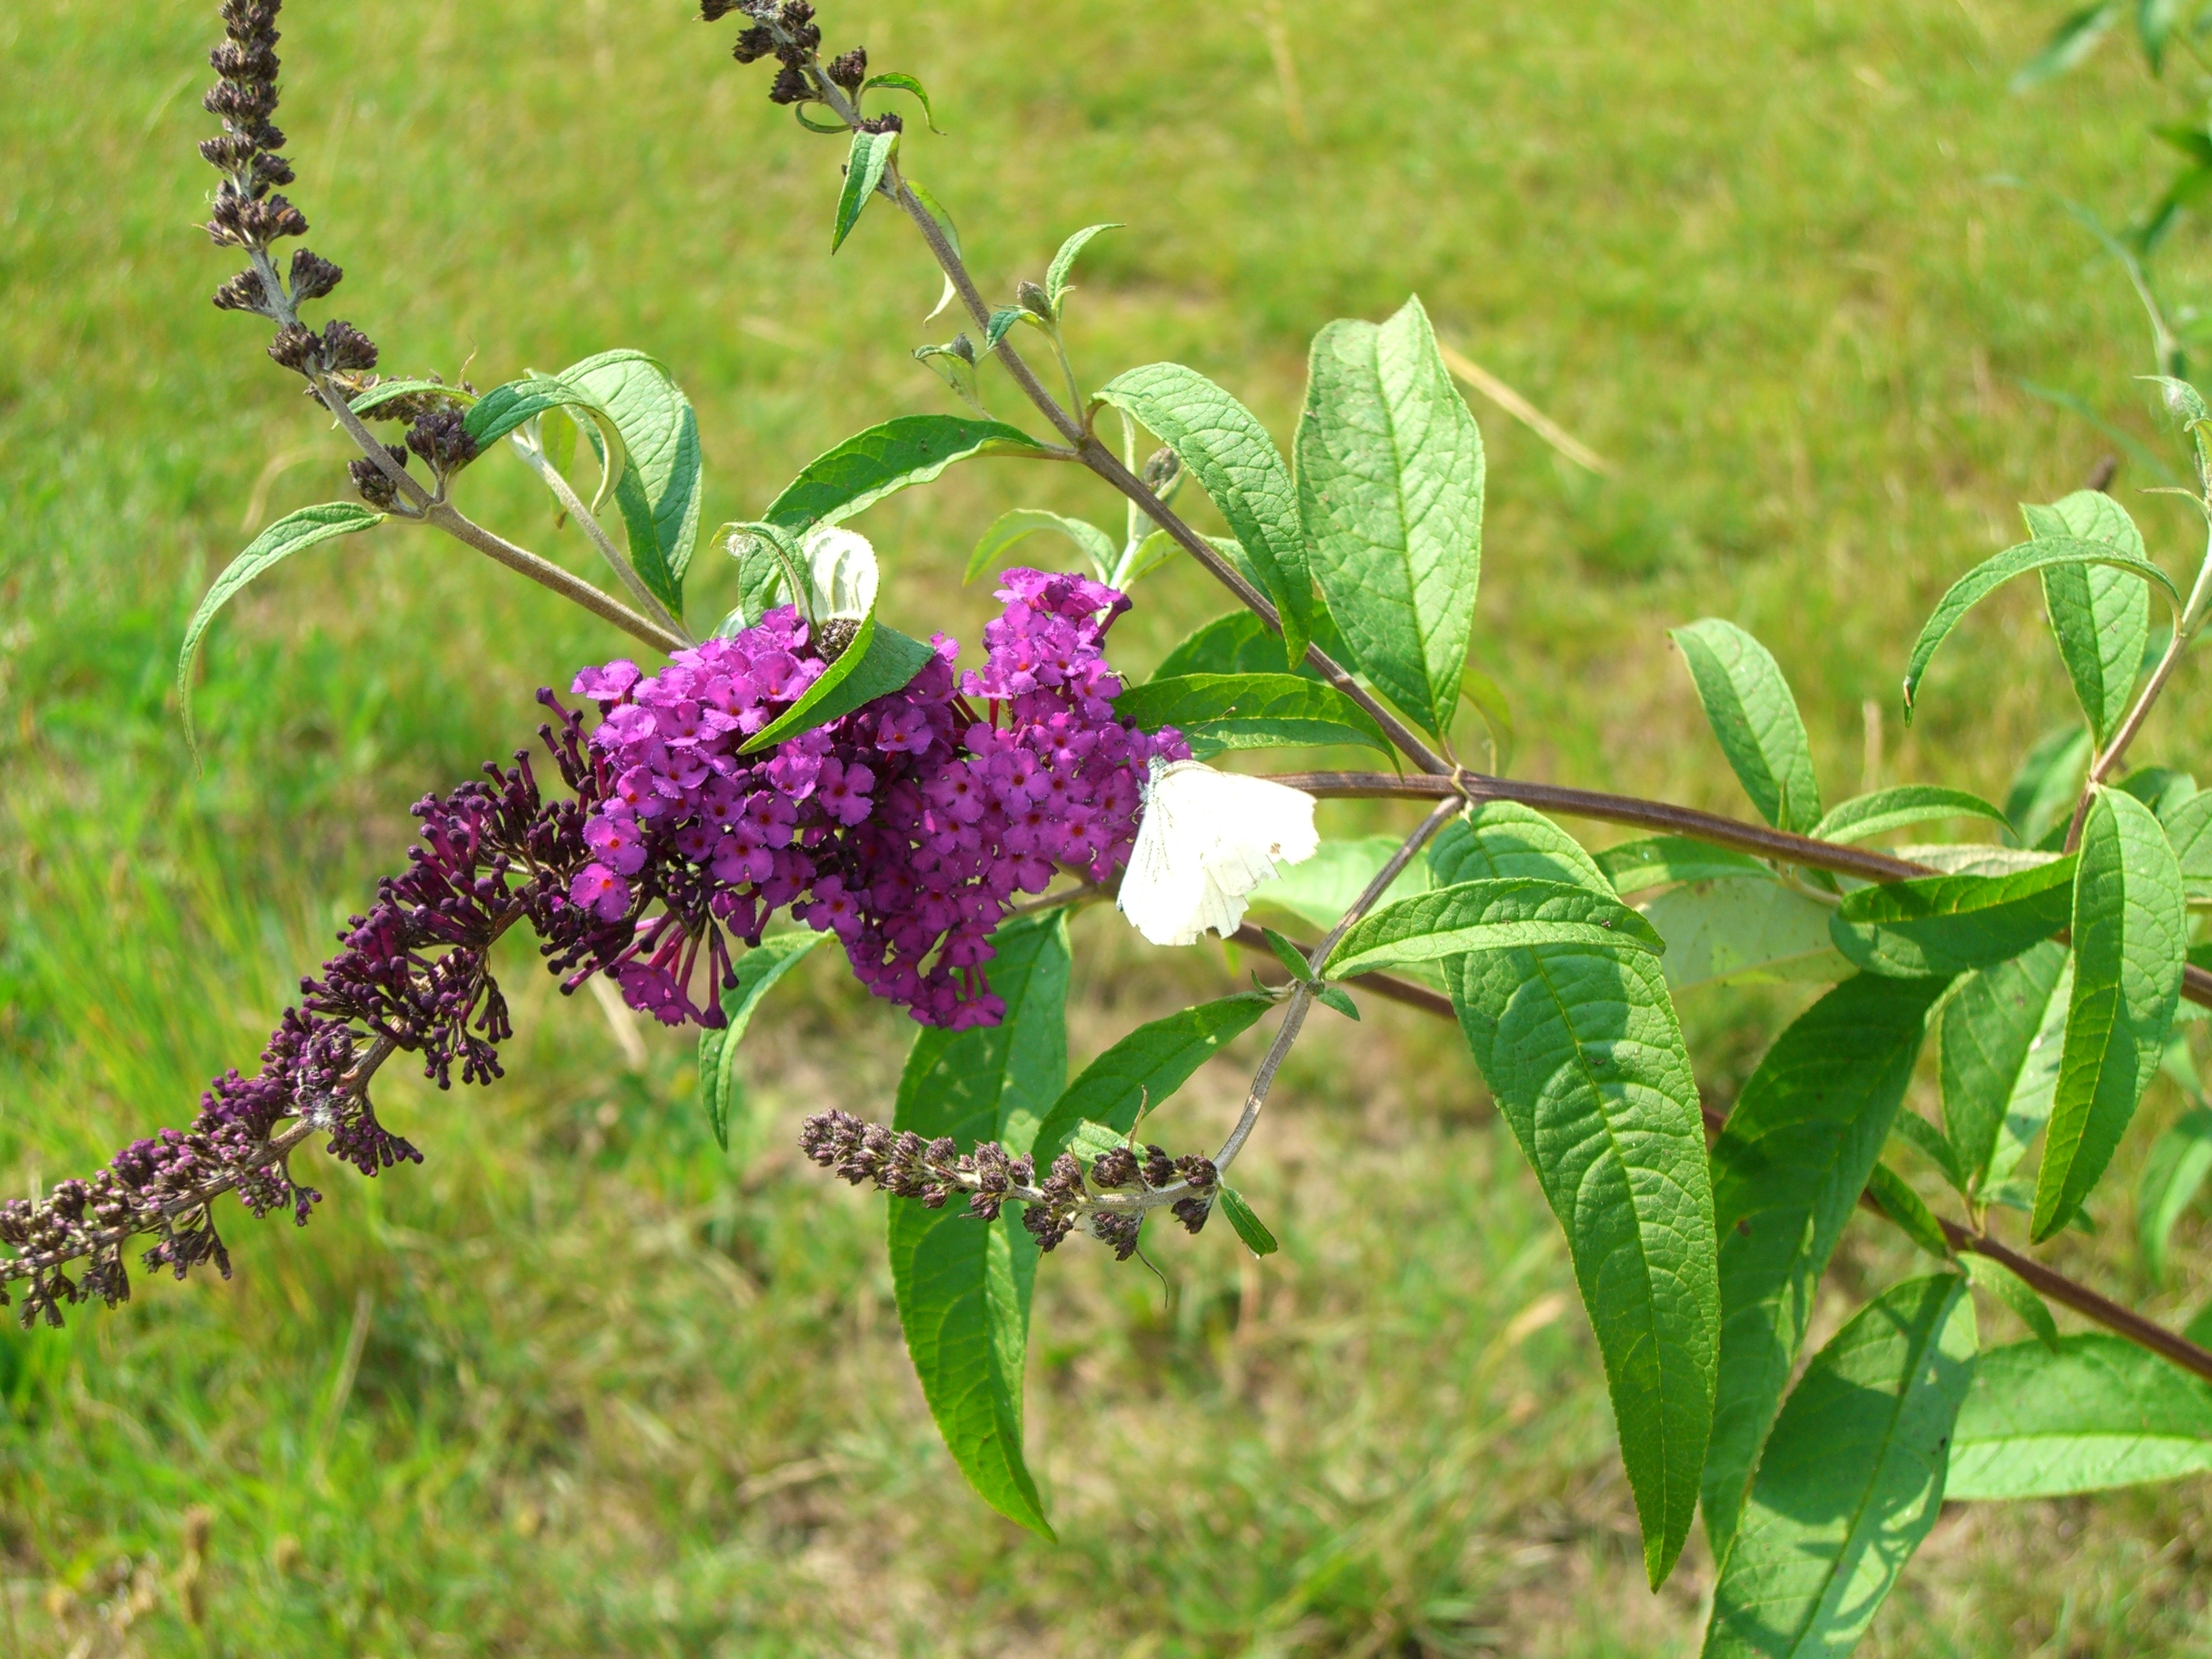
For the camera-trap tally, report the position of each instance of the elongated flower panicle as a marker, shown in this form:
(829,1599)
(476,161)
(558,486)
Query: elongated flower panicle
(1109,1200)
(907,827)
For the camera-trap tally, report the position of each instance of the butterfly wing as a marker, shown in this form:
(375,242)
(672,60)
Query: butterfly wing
(1163,891)
(1215,836)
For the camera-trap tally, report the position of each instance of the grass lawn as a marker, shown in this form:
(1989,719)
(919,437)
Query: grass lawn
(582,1384)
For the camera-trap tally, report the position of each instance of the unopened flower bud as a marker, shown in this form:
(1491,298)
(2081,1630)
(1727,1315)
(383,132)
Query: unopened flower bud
(849,69)
(836,637)
(313,276)
(243,292)
(372,483)
(884,123)
(1034,300)
(790,87)
(441,438)
(346,348)
(293,347)
(755,44)
(1161,468)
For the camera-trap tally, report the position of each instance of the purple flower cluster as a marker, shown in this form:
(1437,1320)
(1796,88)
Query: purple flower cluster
(906,827)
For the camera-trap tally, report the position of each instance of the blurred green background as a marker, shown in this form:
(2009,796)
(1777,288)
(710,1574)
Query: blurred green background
(582,1384)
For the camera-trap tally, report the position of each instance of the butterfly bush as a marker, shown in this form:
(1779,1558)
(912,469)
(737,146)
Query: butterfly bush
(907,827)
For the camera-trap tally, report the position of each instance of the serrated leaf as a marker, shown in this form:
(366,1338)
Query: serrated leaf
(911,449)
(1581,1048)
(1864,816)
(1336,997)
(1909,1211)
(757,971)
(1217,712)
(1944,926)
(2101,617)
(1321,888)
(1390,486)
(2044,553)
(1063,266)
(864,171)
(1745,930)
(2074,39)
(2097,1414)
(660,433)
(504,409)
(900,82)
(2178,1162)
(2131,944)
(1799,1148)
(293,533)
(1009,528)
(1249,1228)
(1749,706)
(1501,840)
(1145,1068)
(963,1287)
(879,661)
(1236,463)
(1001,324)
(1483,916)
(2009,1288)
(1669,860)
(1852,1480)
(2003,1030)
(2047,782)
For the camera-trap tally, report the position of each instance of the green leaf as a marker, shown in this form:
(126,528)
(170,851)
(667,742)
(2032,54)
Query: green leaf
(1336,997)
(293,533)
(1752,713)
(943,220)
(387,392)
(900,82)
(1581,1048)
(2130,943)
(1238,643)
(1670,861)
(1908,1210)
(1750,930)
(1932,1143)
(2189,827)
(661,434)
(2101,617)
(1249,1228)
(1949,925)
(2073,40)
(2001,1034)
(2098,1413)
(2041,554)
(1217,712)
(912,449)
(1063,266)
(1145,1068)
(1390,485)
(1010,527)
(2180,1160)
(757,971)
(1852,1480)
(1289,954)
(1001,324)
(1799,1148)
(2009,1288)
(1237,464)
(2164,790)
(1487,698)
(2047,783)
(1319,890)
(1865,817)
(1486,916)
(2154,24)
(770,561)
(864,171)
(963,1287)
(879,661)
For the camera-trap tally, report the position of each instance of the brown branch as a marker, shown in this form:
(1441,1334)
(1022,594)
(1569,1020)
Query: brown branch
(1661,815)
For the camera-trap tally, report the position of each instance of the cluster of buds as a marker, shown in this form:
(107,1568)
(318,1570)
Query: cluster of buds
(247,213)
(1109,1200)
(786,31)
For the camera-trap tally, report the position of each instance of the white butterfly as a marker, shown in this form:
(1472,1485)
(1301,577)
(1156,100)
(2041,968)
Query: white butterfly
(1207,839)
